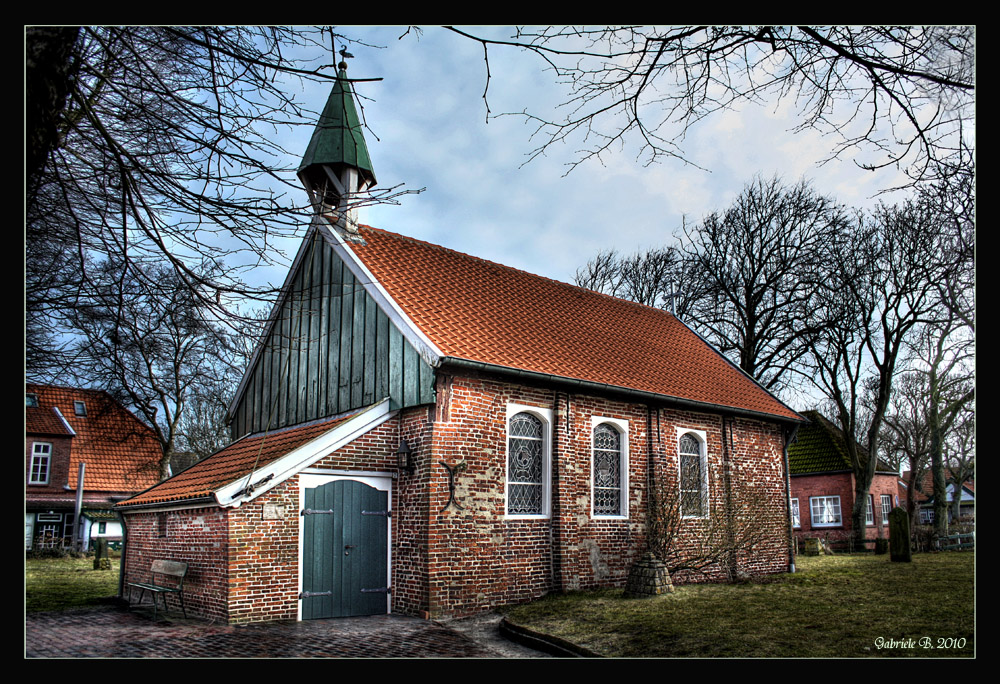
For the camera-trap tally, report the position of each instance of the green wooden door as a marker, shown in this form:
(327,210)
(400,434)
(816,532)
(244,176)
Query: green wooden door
(345,550)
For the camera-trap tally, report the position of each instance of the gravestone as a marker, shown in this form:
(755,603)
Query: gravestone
(899,536)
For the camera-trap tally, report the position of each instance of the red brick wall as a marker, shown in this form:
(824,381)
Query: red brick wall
(58,468)
(466,556)
(198,537)
(263,565)
(507,560)
(842,485)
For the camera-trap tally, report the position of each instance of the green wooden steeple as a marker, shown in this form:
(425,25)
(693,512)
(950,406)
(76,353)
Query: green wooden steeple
(336,166)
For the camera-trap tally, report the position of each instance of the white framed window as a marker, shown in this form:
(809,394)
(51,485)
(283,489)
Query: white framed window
(529,440)
(926,516)
(869,512)
(692,459)
(886,508)
(824,511)
(609,467)
(796,520)
(80,408)
(41,458)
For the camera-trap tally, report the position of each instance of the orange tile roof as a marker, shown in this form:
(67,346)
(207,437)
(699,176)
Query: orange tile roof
(121,452)
(477,310)
(237,460)
(925,487)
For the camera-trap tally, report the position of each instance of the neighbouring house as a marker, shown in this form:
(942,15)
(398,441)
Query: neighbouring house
(923,497)
(66,430)
(823,482)
(427,432)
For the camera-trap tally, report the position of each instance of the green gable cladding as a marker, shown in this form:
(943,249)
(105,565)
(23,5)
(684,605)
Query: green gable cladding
(330,349)
(338,139)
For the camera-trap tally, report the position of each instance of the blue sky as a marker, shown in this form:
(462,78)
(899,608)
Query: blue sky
(429,130)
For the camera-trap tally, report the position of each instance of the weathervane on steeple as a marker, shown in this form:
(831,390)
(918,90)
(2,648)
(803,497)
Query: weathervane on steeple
(336,169)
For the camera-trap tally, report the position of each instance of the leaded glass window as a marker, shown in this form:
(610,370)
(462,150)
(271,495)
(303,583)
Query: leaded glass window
(525,465)
(607,470)
(692,477)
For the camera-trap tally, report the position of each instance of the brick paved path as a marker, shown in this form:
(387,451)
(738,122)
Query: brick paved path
(112,632)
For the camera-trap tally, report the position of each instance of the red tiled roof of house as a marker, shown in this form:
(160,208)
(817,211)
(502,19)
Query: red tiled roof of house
(237,460)
(926,485)
(121,452)
(477,310)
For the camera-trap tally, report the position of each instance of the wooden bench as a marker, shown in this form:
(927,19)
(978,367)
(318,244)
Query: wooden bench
(168,578)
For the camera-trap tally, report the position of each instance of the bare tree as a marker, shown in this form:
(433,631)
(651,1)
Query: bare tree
(878,288)
(961,457)
(905,441)
(649,278)
(750,270)
(152,344)
(904,94)
(741,278)
(724,530)
(160,144)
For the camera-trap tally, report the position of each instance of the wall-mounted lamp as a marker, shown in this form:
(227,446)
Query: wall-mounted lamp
(403,457)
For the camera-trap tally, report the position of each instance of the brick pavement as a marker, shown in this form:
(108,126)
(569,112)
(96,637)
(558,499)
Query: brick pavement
(113,632)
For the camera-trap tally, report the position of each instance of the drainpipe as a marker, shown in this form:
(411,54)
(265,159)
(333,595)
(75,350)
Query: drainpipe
(555,547)
(727,484)
(77,527)
(121,558)
(789,438)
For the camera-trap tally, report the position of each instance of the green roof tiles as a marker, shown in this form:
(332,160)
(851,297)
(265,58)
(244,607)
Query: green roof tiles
(338,138)
(819,447)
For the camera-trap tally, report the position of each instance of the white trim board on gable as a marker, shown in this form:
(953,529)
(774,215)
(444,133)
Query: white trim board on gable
(304,456)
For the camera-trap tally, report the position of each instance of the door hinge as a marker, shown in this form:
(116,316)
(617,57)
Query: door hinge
(310,511)
(380,590)
(387,514)
(311,594)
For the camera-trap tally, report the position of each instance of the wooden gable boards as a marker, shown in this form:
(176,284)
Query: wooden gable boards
(333,344)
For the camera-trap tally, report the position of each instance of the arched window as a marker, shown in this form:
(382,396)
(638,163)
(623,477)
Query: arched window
(608,475)
(693,476)
(526,465)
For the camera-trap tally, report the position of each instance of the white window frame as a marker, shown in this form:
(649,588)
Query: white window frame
(870,510)
(702,437)
(41,453)
(886,500)
(796,515)
(622,427)
(80,408)
(815,506)
(545,415)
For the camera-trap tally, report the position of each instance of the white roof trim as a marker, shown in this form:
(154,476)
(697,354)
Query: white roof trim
(278,471)
(64,421)
(414,335)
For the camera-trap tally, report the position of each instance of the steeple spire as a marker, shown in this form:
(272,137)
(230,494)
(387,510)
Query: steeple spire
(336,166)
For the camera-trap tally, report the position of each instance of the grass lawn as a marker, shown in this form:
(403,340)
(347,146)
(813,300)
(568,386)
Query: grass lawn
(834,606)
(63,583)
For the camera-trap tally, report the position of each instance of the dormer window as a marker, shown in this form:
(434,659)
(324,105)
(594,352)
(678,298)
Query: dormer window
(80,408)
(31,400)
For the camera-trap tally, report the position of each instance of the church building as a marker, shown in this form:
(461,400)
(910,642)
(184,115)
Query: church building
(427,432)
